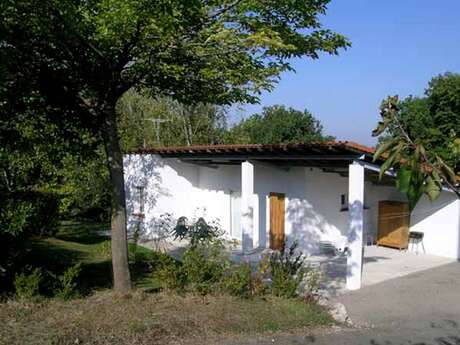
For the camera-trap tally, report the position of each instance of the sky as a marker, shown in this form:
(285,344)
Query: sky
(397,47)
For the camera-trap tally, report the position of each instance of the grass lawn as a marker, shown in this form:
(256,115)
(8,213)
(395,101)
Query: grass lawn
(86,243)
(141,318)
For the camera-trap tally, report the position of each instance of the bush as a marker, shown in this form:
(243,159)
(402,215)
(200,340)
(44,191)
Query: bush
(238,281)
(27,285)
(29,212)
(204,266)
(262,277)
(171,277)
(68,282)
(310,284)
(285,284)
(287,270)
(167,271)
(22,214)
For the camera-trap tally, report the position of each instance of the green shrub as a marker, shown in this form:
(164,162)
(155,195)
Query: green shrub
(204,266)
(68,282)
(310,284)
(285,284)
(167,271)
(29,212)
(104,249)
(287,271)
(159,260)
(27,285)
(171,277)
(238,281)
(261,277)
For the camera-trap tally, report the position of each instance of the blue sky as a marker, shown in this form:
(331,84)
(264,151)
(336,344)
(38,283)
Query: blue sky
(397,46)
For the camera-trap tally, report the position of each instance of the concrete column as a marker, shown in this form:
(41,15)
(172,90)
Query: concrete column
(355,225)
(247,205)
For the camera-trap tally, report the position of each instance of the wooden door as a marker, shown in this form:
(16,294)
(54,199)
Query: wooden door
(394,218)
(276,221)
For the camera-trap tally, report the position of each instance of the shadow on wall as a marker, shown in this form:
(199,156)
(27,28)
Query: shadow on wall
(306,225)
(247,219)
(313,211)
(355,234)
(312,205)
(263,236)
(425,208)
(142,171)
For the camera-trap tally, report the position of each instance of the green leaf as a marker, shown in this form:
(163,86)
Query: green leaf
(384,147)
(381,126)
(447,170)
(403,180)
(432,189)
(393,159)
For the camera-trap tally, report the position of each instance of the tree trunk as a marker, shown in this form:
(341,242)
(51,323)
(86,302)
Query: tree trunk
(121,276)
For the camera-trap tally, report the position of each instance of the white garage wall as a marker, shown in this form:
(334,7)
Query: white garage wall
(440,222)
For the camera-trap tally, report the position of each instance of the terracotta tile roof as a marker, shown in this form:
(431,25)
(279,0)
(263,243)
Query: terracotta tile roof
(318,148)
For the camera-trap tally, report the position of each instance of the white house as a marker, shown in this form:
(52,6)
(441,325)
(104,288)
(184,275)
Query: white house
(263,194)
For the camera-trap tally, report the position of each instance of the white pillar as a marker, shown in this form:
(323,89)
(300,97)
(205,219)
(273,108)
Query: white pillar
(247,207)
(355,226)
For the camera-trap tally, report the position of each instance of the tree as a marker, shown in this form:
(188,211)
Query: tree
(80,57)
(278,124)
(419,139)
(433,119)
(146,121)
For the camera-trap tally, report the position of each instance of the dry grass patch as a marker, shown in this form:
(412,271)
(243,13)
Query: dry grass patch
(152,319)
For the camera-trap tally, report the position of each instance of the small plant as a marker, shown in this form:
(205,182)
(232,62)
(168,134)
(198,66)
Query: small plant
(171,277)
(204,266)
(238,281)
(284,284)
(167,271)
(27,285)
(310,284)
(135,242)
(68,282)
(103,249)
(287,270)
(261,277)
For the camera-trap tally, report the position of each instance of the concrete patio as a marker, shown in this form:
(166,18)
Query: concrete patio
(379,264)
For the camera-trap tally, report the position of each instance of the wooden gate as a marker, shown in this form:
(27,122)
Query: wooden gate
(394,218)
(277,220)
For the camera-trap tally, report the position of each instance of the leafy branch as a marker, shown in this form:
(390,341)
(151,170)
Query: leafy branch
(419,172)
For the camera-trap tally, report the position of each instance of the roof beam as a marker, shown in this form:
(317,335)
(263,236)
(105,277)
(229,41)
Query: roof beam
(281,157)
(201,164)
(270,165)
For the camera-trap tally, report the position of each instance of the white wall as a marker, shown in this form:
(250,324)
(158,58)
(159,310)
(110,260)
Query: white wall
(312,197)
(440,222)
(312,202)
(179,189)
